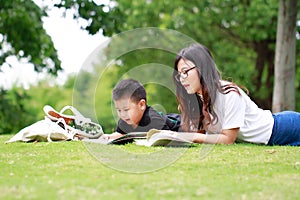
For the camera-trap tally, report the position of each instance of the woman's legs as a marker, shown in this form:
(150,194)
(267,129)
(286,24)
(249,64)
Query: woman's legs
(286,129)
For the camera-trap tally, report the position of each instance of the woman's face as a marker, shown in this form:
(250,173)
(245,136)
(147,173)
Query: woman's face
(189,76)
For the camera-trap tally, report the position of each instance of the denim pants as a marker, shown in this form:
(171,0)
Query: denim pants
(286,129)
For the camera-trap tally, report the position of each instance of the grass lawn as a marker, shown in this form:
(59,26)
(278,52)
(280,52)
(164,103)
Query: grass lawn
(74,170)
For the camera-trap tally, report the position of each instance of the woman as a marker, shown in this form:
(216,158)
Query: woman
(212,105)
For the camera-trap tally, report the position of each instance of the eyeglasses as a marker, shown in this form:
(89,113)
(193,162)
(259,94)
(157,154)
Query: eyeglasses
(183,74)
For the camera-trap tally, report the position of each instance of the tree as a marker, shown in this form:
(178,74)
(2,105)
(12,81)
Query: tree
(284,91)
(13,112)
(240,33)
(22,35)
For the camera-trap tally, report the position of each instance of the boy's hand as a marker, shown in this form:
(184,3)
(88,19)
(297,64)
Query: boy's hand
(105,136)
(112,136)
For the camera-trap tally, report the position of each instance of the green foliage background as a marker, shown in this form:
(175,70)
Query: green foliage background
(22,35)
(240,34)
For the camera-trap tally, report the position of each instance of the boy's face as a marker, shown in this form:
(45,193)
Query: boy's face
(130,111)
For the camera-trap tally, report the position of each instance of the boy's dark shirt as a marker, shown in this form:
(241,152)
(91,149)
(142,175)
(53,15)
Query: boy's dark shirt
(151,119)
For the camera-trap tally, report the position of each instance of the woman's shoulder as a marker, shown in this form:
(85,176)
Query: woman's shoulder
(225,82)
(232,88)
(233,94)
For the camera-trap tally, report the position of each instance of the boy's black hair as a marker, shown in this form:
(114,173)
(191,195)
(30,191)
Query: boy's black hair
(129,88)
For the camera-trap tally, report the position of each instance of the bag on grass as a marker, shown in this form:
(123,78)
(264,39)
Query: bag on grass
(43,131)
(76,122)
(58,126)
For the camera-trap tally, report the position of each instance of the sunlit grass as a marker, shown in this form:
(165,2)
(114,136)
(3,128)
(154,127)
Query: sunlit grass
(67,170)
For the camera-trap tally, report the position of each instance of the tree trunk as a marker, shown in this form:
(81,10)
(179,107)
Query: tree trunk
(284,82)
(264,62)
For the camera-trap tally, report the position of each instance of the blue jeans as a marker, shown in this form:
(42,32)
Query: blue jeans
(286,129)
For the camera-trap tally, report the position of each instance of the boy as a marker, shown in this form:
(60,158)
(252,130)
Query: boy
(135,115)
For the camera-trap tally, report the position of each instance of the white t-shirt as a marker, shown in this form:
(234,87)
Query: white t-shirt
(239,111)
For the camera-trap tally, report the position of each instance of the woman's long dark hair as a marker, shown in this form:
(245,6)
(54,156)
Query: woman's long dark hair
(194,109)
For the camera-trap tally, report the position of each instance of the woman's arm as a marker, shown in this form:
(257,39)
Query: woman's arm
(228,136)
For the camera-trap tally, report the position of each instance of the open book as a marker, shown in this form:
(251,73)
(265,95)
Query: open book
(129,138)
(126,138)
(153,137)
(166,138)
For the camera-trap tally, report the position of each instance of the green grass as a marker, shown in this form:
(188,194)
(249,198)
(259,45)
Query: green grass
(68,170)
